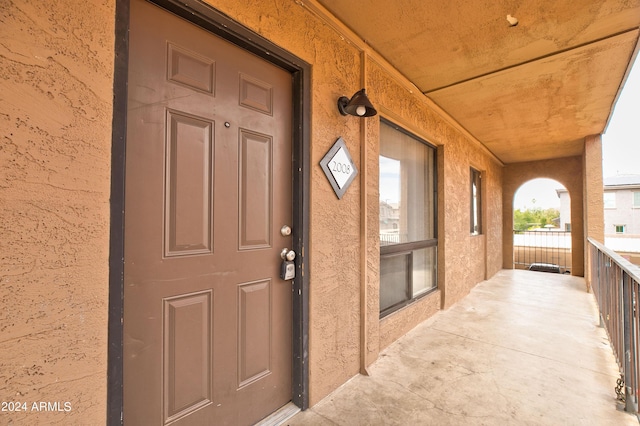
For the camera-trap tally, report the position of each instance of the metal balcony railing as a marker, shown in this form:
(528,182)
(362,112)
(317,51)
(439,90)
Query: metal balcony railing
(616,286)
(542,247)
(387,238)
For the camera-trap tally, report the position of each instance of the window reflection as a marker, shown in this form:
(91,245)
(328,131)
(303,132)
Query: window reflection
(407,218)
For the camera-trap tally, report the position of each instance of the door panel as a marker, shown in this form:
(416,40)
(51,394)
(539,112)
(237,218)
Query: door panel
(188,188)
(254,320)
(187,373)
(255,186)
(207,321)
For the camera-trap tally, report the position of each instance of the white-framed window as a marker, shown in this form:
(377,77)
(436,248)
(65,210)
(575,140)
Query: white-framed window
(620,229)
(567,227)
(408,240)
(609,200)
(636,199)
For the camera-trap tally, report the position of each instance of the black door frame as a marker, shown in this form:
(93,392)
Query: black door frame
(215,22)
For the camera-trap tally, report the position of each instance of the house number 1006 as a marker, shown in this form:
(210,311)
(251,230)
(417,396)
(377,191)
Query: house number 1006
(341,167)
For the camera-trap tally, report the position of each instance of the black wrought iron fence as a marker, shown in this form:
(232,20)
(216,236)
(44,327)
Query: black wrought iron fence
(542,247)
(616,286)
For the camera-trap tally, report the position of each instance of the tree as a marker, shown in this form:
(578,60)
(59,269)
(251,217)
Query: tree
(533,218)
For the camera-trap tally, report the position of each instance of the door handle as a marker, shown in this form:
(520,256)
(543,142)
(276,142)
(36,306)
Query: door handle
(288,267)
(287,254)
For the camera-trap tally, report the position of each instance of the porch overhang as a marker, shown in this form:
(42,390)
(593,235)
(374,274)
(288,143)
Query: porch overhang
(531,91)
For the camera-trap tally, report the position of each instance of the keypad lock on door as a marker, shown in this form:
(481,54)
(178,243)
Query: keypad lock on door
(288,267)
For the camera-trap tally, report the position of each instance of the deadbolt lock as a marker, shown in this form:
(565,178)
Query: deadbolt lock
(285,231)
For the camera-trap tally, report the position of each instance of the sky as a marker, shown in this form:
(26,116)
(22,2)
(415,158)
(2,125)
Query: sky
(620,148)
(389,180)
(621,139)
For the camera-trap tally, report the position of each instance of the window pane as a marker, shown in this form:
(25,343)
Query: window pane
(407,211)
(394,280)
(389,202)
(476,203)
(636,199)
(424,270)
(407,215)
(609,200)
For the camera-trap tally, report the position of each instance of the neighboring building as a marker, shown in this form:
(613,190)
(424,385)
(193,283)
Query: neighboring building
(389,222)
(622,206)
(161,159)
(565,209)
(621,215)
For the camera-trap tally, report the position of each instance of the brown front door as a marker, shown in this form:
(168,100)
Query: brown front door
(207,319)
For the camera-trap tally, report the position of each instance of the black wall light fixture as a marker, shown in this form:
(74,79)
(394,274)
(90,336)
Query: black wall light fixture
(359,105)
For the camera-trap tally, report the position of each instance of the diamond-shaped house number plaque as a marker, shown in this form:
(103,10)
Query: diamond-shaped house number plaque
(339,168)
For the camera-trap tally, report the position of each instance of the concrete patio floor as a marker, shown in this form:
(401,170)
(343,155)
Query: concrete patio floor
(522,348)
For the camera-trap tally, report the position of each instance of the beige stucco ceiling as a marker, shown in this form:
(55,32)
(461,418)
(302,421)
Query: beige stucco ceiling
(527,92)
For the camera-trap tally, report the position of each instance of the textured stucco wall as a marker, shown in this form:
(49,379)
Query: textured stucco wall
(335,264)
(462,258)
(56,61)
(339,301)
(593,184)
(371,303)
(493,218)
(568,171)
(56,87)
(401,322)
(594,226)
(469,259)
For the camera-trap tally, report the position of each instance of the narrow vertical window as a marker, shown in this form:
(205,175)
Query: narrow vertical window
(408,243)
(476,202)
(636,200)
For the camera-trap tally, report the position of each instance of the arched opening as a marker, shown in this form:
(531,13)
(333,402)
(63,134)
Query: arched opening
(542,227)
(568,171)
